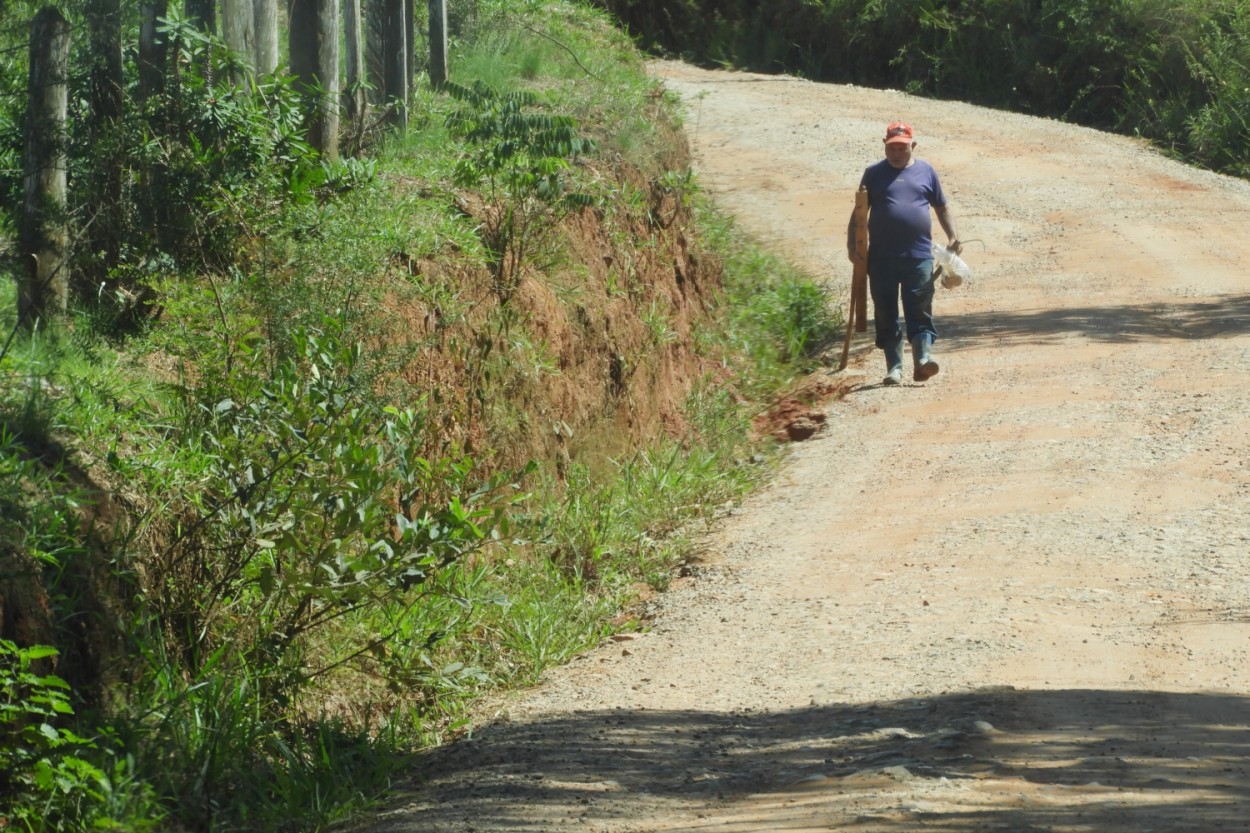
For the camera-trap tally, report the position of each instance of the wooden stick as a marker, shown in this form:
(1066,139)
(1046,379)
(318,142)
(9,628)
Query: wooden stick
(860,277)
(857,313)
(850,323)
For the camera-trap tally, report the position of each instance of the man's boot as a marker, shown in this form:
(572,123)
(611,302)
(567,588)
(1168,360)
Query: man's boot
(925,367)
(894,363)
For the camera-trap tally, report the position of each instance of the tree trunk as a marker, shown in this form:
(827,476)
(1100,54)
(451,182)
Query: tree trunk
(266,13)
(395,62)
(238,29)
(106,102)
(410,43)
(44,237)
(354,99)
(438,43)
(314,43)
(106,63)
(375,17)
(152,50)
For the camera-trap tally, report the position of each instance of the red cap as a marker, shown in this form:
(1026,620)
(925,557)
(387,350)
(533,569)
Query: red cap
(899,133)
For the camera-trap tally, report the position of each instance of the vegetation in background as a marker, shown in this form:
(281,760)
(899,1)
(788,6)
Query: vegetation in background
(269,492)
(1171,71)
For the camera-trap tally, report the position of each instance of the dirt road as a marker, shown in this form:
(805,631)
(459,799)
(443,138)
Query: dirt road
(1012,598)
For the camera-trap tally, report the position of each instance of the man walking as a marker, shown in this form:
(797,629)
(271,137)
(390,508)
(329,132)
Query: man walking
(901,188)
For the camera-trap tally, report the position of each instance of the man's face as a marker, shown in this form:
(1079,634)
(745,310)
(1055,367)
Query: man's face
(898,154)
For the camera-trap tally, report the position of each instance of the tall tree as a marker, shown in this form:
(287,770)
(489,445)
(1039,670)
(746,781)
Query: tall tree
(395,61)
(152,48)
(266,14)
(410,42)
(106,102)
(203,14)
(314,45)
(353,40)
(238,29)
(438,43)
(375,18)
(44,238)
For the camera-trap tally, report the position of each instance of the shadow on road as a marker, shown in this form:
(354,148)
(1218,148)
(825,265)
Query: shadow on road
(1229,316)
(1007,759)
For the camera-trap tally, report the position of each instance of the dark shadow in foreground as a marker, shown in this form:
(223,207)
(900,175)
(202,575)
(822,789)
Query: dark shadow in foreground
(1149,760)
(1180,320)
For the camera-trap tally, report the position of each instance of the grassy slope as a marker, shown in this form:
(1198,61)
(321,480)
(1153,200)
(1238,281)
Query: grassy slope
(114,452)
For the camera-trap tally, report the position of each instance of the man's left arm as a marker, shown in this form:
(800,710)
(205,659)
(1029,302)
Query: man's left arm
(946,217)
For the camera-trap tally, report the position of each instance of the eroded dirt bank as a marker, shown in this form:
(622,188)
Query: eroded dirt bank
(1012,598)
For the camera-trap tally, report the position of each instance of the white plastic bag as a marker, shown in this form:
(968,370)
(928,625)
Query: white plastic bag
(954,270)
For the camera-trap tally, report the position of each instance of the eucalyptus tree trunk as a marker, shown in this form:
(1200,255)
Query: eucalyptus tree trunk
(106,103)
(314,44)
(410,43)
(438,43)
(43,239)
(266,15)
(238,29)
(106,62)
(153,54)
(395,61)
(375,16)
(353,40)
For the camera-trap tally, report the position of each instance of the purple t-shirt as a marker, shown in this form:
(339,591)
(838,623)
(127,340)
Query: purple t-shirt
(898,202)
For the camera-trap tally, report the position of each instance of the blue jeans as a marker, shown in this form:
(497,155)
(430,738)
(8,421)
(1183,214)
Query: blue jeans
(890,278)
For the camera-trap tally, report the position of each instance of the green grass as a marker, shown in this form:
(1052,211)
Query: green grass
(778,318)
(212,729)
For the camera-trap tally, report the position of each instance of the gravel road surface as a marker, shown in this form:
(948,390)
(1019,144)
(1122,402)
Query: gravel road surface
(1014,597)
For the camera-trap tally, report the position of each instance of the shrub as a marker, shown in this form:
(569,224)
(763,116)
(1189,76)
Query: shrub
(316,503)
(520,159)
(43,773)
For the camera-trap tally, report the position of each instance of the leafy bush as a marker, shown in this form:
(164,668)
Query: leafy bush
(192,171)
(209,161)
(520,159)
(43,773)
(301,532)
(1219,132)
(316,504)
